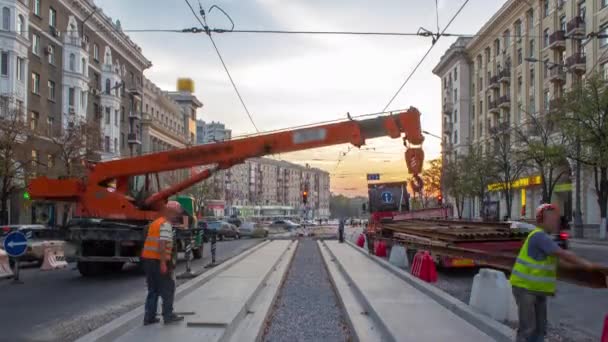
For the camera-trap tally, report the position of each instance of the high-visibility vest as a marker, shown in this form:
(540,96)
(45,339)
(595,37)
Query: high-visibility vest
(534,275)
(151,248)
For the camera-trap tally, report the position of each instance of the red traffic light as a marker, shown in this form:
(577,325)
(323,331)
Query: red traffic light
(304,197)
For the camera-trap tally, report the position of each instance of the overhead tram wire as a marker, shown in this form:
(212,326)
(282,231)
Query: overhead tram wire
(435,39)
(206,27)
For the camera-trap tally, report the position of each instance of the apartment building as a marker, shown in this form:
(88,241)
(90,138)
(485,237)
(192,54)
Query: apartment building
(207,132)
(522,59)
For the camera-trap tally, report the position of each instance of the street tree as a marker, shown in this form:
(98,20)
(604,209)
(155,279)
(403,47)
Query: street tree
(543,146)
(480,172)
(509,162)
(431,176)
(457,182)
(15,160)
(582,116)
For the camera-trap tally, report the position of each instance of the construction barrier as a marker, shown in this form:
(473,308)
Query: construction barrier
(423,267)
(491,295)
(5,267)
(54,257)
(380,248)
(361,240)
(605,331)
(398,256)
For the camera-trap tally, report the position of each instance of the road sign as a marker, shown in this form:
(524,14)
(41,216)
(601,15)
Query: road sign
(373,176)
(15,244)
(387,197)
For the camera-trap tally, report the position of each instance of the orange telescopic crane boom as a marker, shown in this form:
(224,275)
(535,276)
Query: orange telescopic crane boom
(96,199)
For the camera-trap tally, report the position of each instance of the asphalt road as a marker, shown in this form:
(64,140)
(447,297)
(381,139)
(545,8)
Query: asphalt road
(61,305)
(575,313)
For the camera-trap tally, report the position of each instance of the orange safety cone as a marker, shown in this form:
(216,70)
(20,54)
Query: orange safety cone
(361,240)
(605,331)
(380,249)
(53,257)
(5,267)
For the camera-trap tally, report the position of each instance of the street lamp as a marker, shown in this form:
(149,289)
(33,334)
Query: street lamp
(431,134)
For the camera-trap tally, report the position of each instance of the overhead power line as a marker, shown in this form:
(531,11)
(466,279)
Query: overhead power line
(203,23)
(435,38)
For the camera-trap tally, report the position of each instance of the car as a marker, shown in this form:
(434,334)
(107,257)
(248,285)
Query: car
(35,248)
(223,229)
(252,229)
(560,238)
(235,221)
(284,224)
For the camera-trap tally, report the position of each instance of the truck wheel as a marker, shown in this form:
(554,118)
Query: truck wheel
(90,268)
(197,253)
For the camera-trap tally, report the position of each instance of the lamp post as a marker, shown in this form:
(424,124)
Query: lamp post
(578,219)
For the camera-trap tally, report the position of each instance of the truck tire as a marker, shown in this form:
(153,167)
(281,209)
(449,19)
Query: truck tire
(90,268)
(197,253)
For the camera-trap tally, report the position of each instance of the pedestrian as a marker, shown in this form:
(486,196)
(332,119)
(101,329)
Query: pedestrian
(534,275)
(341,231)
(158,265)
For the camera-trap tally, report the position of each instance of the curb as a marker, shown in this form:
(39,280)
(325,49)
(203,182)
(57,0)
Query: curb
(492,328)
(122,324)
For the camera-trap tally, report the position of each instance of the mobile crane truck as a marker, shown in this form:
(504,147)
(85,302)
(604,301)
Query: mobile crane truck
(109,222)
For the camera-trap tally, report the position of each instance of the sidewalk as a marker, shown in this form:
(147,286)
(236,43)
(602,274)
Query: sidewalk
(590,242)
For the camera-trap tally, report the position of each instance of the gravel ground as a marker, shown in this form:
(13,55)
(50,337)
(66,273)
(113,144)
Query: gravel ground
(307,308)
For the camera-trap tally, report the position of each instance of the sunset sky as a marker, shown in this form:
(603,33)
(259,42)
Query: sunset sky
(290,80)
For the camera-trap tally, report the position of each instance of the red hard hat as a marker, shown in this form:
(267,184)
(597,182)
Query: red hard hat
(541,209)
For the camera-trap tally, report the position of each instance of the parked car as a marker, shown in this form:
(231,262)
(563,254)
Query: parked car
(35,248)
(252,229)
(560,238)
(224,229)
(284,224)
(235,221)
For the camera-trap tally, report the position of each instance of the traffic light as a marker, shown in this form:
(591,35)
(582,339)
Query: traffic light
(440,199)
(304,197)
(26,196)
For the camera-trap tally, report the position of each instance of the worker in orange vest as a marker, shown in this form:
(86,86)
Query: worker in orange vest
(158,266)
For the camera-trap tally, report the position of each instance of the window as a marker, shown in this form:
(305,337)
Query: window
(518,30)
(52,17)
(582,10)
(603,33)
(604,70)
(72,62)
(106,144)
(51,56)
(122,140)
(507,38)
(50,161)
(83,99)
(545,8)
(4,64)
(35,161)
(530,20)
(96,52)
(21,30)
(455,136)
(36,44)
(34,116)
(71,97)
(20,68)
(108,115)
(562,23)
(519,57)
(532,108)
(532,78)
(546,37)
(116,117)
(51,85)
(6,19)
(545,68)
(108,86)
(456,74)
(455,95)
(116,145)
(456,116)
(531,53)
(497,47)
(604,3)
(122,114)
(50,123)
(546,99)
(83,65)
(35,83)
(37,7)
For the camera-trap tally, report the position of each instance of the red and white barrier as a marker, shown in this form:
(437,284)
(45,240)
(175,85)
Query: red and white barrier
(5,267)
(423,267)
(605,330)
(54,257)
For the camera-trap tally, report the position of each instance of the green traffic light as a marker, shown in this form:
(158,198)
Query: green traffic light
(26,195)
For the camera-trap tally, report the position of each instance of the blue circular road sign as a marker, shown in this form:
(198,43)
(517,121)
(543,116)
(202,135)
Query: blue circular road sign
(387,197)
(15,244)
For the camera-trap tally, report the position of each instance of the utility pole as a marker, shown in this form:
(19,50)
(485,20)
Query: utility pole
(578,219)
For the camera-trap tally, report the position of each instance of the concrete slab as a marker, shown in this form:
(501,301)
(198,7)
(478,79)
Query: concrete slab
(219,303)
(407,313)
(365,327)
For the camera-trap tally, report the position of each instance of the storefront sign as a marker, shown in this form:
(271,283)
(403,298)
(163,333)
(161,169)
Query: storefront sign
(516,184)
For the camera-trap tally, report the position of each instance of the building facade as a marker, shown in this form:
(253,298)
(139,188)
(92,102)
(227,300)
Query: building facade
(524,58)
(207,132)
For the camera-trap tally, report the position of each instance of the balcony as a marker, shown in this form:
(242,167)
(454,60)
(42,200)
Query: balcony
(447,127)
(577,62)
(504,101)
(133,138)
(494,83)
(448,108)
(504,75)
(504,126)
(576,28)
(493,107)
(134,115)
(557,40)
(557,75)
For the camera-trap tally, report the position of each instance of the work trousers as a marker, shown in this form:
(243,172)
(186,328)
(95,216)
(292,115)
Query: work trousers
(159,285)
(532,312)
(341,235)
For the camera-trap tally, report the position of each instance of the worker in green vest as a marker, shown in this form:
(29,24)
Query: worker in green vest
(534,275)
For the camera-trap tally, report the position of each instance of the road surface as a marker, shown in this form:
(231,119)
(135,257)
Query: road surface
(61,305)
